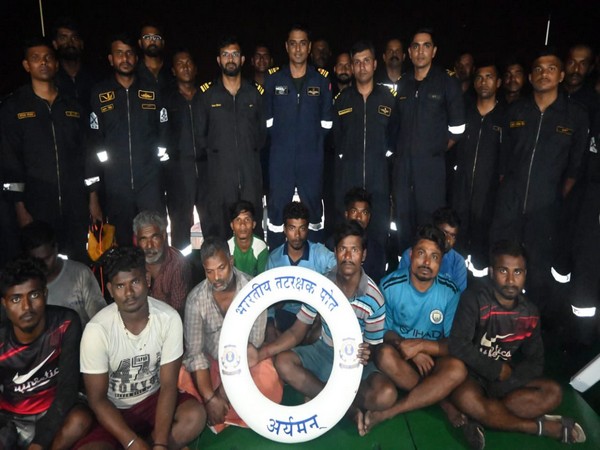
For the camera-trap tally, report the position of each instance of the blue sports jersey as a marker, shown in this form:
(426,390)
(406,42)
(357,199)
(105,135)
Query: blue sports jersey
(419,315)
(453,266)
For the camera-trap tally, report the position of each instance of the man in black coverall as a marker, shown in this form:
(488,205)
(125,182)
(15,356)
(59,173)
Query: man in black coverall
(42,154)
(546,137)
(232,127)
(128,126)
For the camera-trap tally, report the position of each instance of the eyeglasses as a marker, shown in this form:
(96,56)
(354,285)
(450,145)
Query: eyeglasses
(152,37)
(234,55)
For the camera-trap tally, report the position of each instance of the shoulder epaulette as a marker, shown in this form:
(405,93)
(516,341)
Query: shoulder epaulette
(323,72)
(259,88)
(336,96)
(450,72)
(272,70)
(205,86)
(393,91)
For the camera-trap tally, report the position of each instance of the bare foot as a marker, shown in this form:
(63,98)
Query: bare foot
(359,418)
(372,418)
(455,417)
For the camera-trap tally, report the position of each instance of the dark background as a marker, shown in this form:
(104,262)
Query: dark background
(491,28)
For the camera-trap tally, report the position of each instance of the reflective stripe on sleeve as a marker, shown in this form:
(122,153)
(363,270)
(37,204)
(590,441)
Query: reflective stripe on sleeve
(269,122)
(562,279)
(14,187)
(583,312)
(327,124)
(458,129)
(93,180)
(102,156)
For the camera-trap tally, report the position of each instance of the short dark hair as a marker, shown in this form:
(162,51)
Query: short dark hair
(487,63)
(21,270)
(446,215)
(427,30)
(36,41)
(546,51)
(64,22)
(357,194)
(431,233)
(299,27)
(240,207)
(295,210)
(226,41)
(507,247)
(153,24)
(125,38)
(122,259)
(361,46)
(213,245)
(183,50)
(35,234)
(512,60)
(349,228)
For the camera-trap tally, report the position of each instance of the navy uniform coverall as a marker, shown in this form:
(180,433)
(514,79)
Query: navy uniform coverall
(431,112)
(477,178)
(233,133)
(298,123)
(127,139)
(185,171)
(43,164)
(363,134)
(543,149)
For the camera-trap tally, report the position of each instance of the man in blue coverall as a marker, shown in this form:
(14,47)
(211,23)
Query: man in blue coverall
(298,110)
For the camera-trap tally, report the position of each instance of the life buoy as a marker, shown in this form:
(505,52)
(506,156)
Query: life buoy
(280,422)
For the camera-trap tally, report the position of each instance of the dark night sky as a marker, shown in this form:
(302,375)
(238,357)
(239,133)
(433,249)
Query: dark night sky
(495,28)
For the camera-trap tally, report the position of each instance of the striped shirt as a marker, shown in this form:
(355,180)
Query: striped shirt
(368,305)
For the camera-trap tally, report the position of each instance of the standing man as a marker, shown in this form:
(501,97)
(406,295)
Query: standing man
(420,305)
(464,67)
(261,62)
(546,138)
(152,68)
(578,66)
(363,130)
(513,81)
(307,368)
(205,311)
(186,173)
(170,273)
(39,364)
(232,126)
(478,165)
(73,78)
(130,358)
(127,142)
(42,153)
(320,53)
(298,106)
(342,72)
(432,119)
(389,75)
(496,333)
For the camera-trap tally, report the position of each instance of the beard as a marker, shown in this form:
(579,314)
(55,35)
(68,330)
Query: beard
(152,50)
(231,70)
(343,78)
(69,53)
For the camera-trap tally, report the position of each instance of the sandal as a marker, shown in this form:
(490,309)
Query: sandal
(571,431)
(474,434)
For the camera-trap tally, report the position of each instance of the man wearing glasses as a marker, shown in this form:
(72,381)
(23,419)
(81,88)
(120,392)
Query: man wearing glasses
(153,68)
(231,127)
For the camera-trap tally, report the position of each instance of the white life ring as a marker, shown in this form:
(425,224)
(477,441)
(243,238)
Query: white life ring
(310,420)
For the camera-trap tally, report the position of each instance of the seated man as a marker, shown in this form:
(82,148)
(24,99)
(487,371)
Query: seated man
(307,368)
(420,308)
(453,264)
(170,273)
(205,311)
(250,253)
(130,358)
(39,364)
(70,283)
(296,251)
(496,333)
(357,202)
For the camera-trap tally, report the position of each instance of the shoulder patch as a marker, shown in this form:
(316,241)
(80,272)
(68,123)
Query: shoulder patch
(344,111)
(517,123)
(450,72)
(564,130)
(384,110)
(260,89)
(323,72)
(206,86)
(272,70)
(73,114)
(26,115)
(108,107)
(393,91)
(146,95)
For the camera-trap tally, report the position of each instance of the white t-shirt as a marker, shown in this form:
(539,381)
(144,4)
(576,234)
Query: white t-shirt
(132,361)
